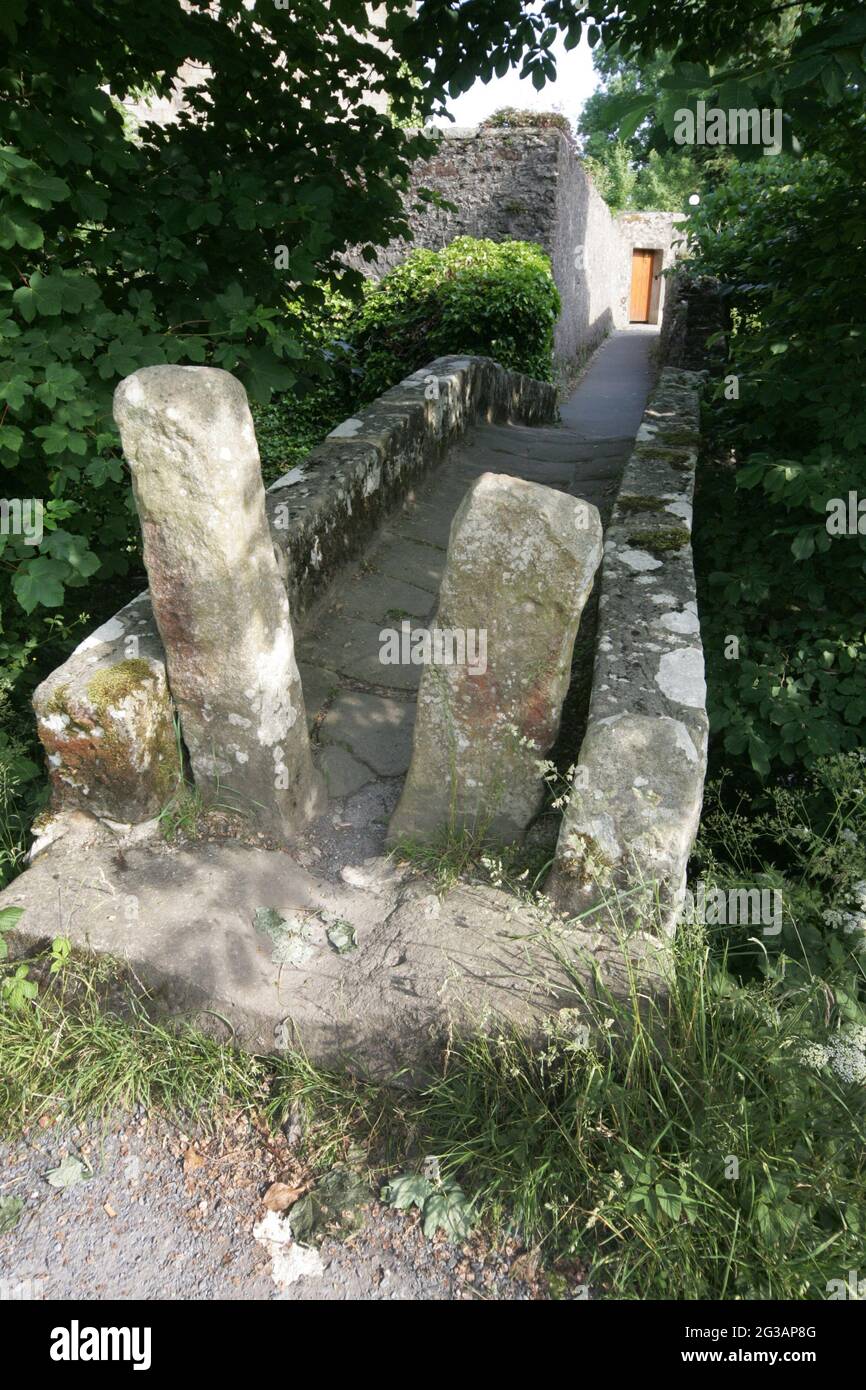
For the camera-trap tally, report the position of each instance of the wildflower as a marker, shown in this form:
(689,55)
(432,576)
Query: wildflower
(847,1059)
(814,1056)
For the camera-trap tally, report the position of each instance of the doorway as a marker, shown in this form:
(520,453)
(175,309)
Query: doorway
(642,281)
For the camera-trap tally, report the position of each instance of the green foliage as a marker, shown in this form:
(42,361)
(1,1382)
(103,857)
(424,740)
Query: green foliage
(495,299)
(10,1213)
(738,50)
(441,1201)
(69,1173)
(807,842)
(16,987)
(124,244)
(9,919)
(119,252)
(782,236)
(498,300)
(641,169)
(612,173)
(22,791)
(291,425)
(518,118)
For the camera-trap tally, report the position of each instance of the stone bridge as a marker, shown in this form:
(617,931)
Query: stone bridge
(380,648)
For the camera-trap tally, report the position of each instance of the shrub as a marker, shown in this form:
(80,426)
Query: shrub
(514,116)
(492,299)
(781,236)
(292,424)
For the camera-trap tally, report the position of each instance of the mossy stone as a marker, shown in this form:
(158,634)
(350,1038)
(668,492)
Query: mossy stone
(114,683)
(664,539)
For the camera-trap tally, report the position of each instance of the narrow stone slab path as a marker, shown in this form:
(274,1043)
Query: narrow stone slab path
(362,710)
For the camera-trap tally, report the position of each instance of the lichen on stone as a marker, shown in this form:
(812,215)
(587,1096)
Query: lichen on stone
(57,700)
(585,860)
(660,541)
(661,451)
(683,438)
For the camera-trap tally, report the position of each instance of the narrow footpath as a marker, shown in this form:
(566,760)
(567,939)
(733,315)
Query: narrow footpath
(363,711)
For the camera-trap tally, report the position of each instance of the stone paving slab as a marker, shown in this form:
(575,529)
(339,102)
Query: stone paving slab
(409,559)
(381,599)
(430,524)
(378,728)
(343,774)
(554,474)
(351,646)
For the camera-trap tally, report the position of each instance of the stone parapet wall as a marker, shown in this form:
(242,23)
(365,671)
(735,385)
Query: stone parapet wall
(366,466)
(633,814)
(106,717)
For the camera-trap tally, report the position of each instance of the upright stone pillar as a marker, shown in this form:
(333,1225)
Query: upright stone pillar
(217,595)
(520,567)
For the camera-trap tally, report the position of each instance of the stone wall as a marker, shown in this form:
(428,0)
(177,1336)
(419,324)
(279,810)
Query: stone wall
(633,815)
(698,312)
(529,185)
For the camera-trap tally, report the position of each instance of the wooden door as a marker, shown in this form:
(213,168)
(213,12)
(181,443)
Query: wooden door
(641,286)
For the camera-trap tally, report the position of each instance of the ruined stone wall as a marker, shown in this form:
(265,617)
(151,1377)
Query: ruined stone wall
(530,185)
(502,184)
(519,185)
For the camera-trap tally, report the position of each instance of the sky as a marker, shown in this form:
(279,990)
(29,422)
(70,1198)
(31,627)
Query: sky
(575,81)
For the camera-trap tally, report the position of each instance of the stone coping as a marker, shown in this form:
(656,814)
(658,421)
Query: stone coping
(633,812)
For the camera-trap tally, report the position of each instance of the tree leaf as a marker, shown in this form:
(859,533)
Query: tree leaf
(10,1213)
(69,1173)
(410,1190)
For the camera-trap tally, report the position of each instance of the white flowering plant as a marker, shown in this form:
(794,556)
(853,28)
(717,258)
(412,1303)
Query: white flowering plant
(808,840)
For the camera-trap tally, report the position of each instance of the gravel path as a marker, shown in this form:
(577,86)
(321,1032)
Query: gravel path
(164,1217)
